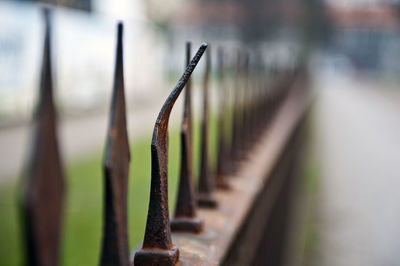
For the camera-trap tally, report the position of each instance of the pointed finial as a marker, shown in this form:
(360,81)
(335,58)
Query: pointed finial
(115,249)
(205,196)
(43,187)
(186,219)
(157,245)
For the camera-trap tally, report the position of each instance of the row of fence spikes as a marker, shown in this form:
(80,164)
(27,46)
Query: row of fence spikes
(248,112)
(43,191)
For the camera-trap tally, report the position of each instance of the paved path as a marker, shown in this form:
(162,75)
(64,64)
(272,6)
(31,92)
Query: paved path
(358,135)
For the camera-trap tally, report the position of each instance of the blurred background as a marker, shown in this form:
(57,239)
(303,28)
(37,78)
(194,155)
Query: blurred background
(349,206)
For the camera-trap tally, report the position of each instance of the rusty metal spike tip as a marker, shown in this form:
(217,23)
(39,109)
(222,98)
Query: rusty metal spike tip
(47,19)
(119,54)
(186,219)
(115,248)
(157,245)
(43,192)
(187,109)
(163,116)
(46,79)
(205,197)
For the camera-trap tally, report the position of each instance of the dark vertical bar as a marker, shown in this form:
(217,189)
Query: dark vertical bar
(206,182)
(43,188)
(243,110)
(257,97)
(115,249)
(267,101)
(252,103)
(235,139)
(222,152)
(186,219)
(245,135)
(157,245)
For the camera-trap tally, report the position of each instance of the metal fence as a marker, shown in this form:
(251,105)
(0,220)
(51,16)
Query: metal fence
(236,215)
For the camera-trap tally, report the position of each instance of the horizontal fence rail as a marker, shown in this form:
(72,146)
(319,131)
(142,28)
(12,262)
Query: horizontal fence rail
(236,214)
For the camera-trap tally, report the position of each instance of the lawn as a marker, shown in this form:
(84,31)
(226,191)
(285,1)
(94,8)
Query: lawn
(82,229)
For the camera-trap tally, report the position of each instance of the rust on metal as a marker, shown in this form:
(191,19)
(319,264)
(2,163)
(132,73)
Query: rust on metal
(158,248)
(115,249)
(223,149)
(186,219)
(205,197)
(44,186)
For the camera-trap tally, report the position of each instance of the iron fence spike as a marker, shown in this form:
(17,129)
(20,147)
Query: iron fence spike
(44,188)
(235,142)
(186,219)
(222,150)
(157,245)
(205,197)
(115,248)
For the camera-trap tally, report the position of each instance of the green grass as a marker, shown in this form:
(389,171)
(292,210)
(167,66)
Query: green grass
(311,178)
(10,238)
(82,228)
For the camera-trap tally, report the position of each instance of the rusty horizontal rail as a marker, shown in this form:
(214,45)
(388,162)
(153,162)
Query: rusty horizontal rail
(238,213)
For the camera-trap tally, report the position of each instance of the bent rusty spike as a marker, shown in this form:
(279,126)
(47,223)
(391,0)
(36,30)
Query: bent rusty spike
(157,245)
(43,190)
(186,219)
(115,250)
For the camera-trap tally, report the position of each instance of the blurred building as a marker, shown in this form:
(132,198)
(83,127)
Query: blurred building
(83,53)
(271,30)
(367,33)
(85,5)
